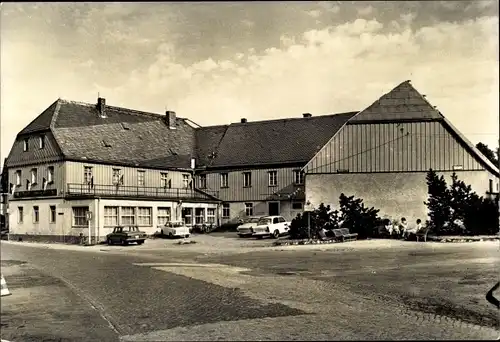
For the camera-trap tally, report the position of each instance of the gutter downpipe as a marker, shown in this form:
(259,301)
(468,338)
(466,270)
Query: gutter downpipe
(98,220)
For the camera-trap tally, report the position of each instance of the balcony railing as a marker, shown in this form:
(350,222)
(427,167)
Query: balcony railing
(96,190)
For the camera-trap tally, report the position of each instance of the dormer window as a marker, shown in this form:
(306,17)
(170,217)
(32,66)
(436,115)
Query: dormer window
(41,141)
(25,144)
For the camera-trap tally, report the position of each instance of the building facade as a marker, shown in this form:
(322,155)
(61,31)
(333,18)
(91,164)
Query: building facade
(127,167)
(383,153)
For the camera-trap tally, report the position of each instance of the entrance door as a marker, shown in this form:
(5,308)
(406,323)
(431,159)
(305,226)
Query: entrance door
(274,208)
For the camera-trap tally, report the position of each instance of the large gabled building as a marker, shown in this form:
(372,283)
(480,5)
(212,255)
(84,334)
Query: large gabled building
(126,167)
(129,167)
(382,155)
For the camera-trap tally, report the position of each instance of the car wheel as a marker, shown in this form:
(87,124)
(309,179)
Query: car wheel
(109,241)
(259,237)
(240,235)
(276,234)
(170,235)
(186,236)
(124,242)
(140,242)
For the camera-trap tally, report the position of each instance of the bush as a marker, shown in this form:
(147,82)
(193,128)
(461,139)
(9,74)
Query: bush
(353,215)
(459,210)
(358,218)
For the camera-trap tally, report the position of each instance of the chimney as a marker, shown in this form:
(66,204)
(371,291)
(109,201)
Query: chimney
(170,118)
(307,115)
(101,107)
(243,120)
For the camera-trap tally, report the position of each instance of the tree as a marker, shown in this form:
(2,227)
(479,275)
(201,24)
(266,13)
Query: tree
(438,203)
(358,218)
(484,149)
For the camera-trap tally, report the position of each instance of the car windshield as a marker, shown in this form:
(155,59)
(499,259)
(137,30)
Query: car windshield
(264,220)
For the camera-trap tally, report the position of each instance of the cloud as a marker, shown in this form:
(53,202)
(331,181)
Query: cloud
(342,67)
(314,13)
(364,11)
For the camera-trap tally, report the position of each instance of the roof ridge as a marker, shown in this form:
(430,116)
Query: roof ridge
(123,109)
(282,119)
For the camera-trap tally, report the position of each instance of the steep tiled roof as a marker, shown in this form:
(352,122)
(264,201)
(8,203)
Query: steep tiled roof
(41,122)
(267,142)
(402,103)
(124,136)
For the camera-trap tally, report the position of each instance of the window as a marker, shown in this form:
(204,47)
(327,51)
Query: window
(50,174)
(127,216)
(247,179)
(299,177)
(117,177)
(276,220)
(187,216)
(36,214)
(199,215)
(210,215)
(203,181)
(80,216)
(164,181)
(223,180)
(41,141)
(164,215)
(185,180)
(281,219)
(141,178)
(20,214)
(110,216)
(491,186)
(52,214)
(249,209)
(25,144)
(34,176)
(87,174)
(273,178)
(28,184)
(18,177)
(144,216)
(225,210)
(297,206)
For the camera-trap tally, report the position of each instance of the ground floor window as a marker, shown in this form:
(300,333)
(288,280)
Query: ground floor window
(187,216)
(127,216)
(211,215)
(249,209)
(36,214)
(110,216)
(144,216)
(200,215)
(52,214)
(80,216)
(297,206)
(20,214)
(225,210)
(164,215)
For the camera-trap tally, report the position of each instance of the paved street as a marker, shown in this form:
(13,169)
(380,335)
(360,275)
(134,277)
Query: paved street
(348,291)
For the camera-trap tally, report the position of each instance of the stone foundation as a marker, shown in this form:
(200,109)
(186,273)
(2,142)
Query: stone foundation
(69,239)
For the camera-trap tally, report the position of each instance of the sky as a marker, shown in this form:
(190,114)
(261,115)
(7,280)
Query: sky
(215,63)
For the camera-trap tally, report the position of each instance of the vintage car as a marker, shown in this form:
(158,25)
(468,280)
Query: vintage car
(273,226)
(126,235)
(245,229)
(176,229)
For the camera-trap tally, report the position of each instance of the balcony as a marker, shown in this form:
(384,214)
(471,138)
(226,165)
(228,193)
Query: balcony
(74,190)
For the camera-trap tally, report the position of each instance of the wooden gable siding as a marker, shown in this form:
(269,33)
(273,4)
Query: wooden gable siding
(260,189)
(35,155)
(103,175)
(42,172)
(393,147)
